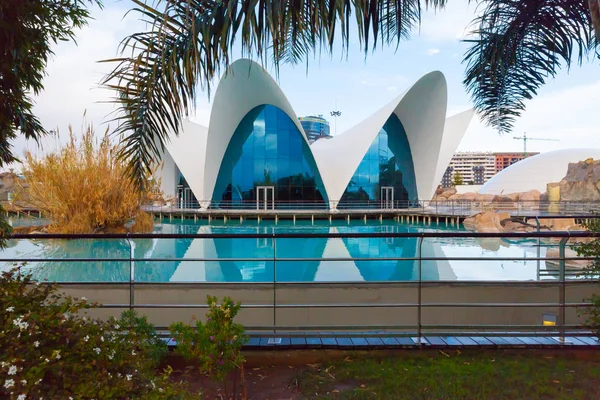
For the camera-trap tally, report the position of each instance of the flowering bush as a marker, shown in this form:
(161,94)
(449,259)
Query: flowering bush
(52,350)
(216,344)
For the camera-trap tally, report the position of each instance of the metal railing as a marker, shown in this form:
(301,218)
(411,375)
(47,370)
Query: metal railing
(459,208)
(284,294)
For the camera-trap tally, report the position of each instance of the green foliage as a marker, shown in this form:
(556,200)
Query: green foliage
(150,344)
(591,249)
(216,344)
(457,179)
(518,45)
(28,30)
(51,349)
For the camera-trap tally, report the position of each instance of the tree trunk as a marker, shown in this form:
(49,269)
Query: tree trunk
(595,13)
(243,378)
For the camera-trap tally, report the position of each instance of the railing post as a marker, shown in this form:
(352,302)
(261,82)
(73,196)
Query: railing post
(419,290)
(561,314)
(131,276)
(274,287)
(539,245)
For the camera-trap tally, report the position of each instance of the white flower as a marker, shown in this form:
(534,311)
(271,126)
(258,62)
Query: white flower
(10,309)
(57,354)
(128,377)
(24,382)
(86,338)
(4,364)
(102,338)
(20,323)
(117,326)
(38,381)
(21,397)
(133,352)
(118,374)
(84,298)
(12,370)
(9,383)
(47,360)
(160,390)
(36,344)
(97,350)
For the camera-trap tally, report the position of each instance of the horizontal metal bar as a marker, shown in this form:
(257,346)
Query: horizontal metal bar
(358,305)
(295,259)
(459,234)
(433,283)
(452,330)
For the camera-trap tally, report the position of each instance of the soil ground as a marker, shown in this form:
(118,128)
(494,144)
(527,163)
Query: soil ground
(408,374)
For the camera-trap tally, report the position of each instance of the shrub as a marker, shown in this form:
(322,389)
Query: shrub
(150,343)
(591,249)
(216,345)
(51,349)
(82,187)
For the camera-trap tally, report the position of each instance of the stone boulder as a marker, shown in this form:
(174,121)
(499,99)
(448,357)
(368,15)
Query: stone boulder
(484,198)
(571,264)
(488,221)
(530,196)
(470,196)
(561,224)
(448,192)
(581,183)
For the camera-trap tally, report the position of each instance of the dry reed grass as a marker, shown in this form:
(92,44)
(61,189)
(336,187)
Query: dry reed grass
(82,187)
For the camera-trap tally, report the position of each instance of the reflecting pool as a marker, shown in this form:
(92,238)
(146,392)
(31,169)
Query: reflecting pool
(304,260)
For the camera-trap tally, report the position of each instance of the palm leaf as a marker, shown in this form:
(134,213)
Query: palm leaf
(188,42)
(518,46)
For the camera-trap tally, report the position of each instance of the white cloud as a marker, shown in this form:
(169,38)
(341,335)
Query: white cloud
(449,24)
(432,52)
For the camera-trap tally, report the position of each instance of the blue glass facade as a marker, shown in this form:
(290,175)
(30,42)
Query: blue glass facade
(267,149)
(387,163)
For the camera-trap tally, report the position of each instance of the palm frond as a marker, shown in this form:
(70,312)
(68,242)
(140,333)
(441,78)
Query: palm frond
(518,46)
(188,43)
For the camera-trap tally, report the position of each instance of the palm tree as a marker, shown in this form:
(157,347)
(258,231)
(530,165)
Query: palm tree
(517,45)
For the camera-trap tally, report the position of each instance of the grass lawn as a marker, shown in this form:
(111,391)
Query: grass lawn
(453,374)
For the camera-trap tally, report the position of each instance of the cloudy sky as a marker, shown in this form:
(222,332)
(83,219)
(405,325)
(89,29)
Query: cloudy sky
(565,109)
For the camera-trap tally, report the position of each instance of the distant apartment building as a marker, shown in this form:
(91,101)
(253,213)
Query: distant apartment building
(315,127)
(505,160)
(476,168)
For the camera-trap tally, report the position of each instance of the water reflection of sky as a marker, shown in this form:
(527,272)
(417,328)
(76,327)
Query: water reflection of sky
(229,260)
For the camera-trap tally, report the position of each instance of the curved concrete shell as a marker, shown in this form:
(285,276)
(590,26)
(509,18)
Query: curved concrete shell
(534,173)
(416,119)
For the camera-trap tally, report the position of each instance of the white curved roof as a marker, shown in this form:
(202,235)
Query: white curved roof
(198,151)
(537,171)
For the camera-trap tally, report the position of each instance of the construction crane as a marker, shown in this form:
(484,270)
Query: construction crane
(524,138)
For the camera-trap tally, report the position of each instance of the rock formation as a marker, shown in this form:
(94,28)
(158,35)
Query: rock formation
(582,183)
(492,221)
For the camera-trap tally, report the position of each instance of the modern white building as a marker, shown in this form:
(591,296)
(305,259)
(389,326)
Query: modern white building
(534,173)
(255,153)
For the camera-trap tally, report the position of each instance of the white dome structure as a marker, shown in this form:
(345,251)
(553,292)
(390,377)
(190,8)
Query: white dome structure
(534,173)
(255,142)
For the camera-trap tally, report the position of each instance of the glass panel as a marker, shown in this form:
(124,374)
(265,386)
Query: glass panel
(388,162)
(268,149)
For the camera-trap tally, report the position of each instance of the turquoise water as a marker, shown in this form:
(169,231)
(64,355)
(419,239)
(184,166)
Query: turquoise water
(223,266)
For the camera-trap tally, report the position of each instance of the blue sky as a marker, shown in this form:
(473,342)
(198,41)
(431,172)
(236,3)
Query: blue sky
(564,110)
